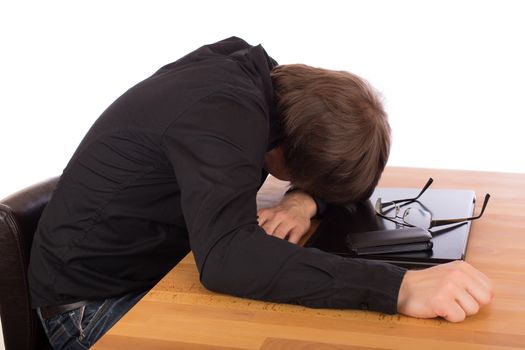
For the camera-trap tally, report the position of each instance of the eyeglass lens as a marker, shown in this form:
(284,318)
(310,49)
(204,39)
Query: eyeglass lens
(417,217)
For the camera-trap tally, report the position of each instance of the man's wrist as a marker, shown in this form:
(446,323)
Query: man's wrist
(304,200)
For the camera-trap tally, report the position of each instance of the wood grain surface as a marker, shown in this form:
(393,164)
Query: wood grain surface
(179,313)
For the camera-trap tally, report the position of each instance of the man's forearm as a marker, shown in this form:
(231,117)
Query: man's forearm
(301,199)
(262,267)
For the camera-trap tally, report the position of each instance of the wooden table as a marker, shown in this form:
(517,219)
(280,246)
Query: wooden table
(178,313)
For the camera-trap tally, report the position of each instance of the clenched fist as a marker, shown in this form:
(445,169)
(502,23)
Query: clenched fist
(452,291)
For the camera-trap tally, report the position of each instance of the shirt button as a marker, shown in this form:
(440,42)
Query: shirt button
(364,306)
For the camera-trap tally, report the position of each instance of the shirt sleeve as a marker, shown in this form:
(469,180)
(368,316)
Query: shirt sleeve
(217,150)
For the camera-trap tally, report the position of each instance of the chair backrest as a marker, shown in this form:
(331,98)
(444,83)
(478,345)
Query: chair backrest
(19,215)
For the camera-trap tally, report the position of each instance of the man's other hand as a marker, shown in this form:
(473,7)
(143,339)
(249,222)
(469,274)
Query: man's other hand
(290,219)
(453,291)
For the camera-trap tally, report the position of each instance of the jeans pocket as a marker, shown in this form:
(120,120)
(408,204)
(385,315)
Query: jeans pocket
(76,318)
(93,319)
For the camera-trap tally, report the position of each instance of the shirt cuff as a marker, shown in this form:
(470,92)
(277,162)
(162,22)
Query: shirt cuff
(381,290)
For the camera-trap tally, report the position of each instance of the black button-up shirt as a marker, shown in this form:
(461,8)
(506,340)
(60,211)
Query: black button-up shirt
(175,164)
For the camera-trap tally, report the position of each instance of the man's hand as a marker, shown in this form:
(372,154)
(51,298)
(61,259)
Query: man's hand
(290,219)
(452,291)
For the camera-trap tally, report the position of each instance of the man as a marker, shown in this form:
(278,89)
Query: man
(175,164)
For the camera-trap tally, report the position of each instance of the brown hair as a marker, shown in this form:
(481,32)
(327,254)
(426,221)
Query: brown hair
(336,134)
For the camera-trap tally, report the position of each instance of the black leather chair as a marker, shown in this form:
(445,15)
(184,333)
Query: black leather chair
(19,215)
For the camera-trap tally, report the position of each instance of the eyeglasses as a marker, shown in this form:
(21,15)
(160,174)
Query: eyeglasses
(416,217)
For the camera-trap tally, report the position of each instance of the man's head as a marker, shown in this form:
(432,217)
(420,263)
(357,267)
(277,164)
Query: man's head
(336,133)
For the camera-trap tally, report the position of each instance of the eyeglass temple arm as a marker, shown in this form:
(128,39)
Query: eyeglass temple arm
(452,221)
(410,200)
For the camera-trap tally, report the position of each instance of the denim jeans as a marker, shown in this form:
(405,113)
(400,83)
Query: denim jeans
(82,327)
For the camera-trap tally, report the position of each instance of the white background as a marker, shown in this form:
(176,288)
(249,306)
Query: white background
(451,72)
